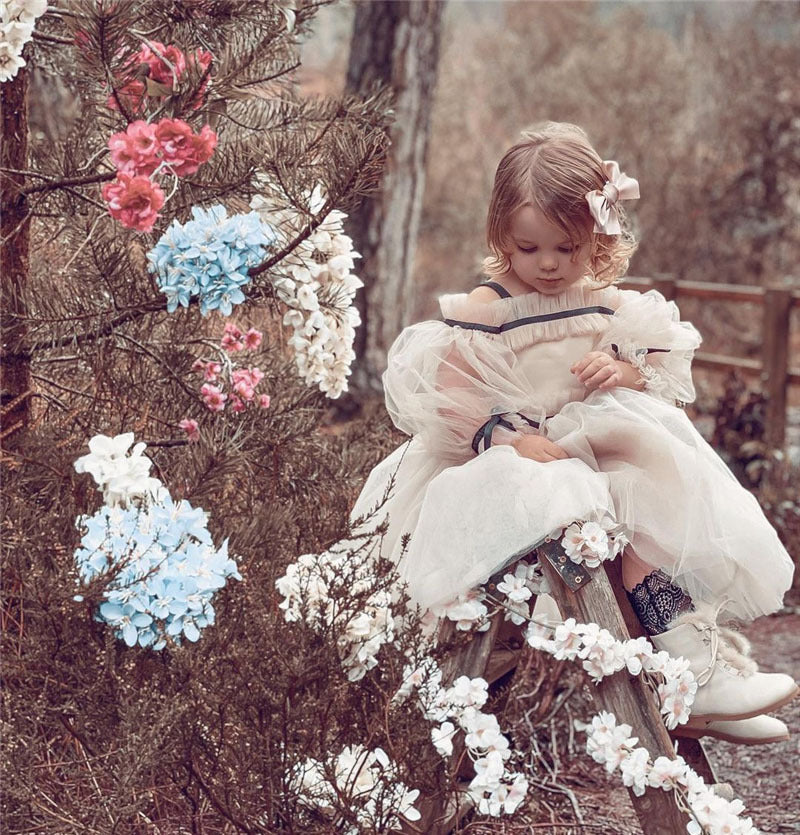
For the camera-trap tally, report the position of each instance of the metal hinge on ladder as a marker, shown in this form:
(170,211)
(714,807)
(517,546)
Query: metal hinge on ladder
(573,574)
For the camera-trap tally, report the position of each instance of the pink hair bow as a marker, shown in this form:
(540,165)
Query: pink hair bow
(603,204)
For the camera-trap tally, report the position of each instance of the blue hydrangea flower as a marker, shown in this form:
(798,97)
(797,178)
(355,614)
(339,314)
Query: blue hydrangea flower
(162,570)
(209,257)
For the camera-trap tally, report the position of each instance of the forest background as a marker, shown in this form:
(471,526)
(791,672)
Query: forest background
(699,101)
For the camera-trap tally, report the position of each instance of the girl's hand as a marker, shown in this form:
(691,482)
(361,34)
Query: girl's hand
(538,448)
(599,371)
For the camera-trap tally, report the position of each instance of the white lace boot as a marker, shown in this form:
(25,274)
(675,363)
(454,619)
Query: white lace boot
(758,730)
(729,684)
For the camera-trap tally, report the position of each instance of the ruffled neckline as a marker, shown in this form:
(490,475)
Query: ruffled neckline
(458,306)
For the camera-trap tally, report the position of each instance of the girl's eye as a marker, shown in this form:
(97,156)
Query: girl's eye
(565,249)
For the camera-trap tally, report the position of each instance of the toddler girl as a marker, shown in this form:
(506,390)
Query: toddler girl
(549,395)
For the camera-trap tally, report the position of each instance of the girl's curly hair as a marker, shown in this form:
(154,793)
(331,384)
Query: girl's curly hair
(552,169)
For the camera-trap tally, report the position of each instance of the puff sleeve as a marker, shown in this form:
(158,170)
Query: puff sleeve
(444,383)
(647,332)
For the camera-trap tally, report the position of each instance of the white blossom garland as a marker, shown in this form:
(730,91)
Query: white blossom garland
(317,283)
(612,745)
(495,789)
(17,19)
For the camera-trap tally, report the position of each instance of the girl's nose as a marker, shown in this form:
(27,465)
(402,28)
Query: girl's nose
(549,262)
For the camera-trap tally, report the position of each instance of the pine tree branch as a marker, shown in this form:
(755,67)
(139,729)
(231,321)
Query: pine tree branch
(74,181)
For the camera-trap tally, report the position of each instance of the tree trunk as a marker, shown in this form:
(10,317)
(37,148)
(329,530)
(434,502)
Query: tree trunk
(397,44)
(14,244)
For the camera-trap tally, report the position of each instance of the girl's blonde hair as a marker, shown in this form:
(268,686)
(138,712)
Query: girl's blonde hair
(552,169)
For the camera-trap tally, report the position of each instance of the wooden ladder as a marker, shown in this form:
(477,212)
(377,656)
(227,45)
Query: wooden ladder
(602,601)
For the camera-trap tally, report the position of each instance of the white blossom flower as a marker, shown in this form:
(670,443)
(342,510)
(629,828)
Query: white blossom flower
(468,692)
(567,640)
(514,586)
(121,477)
(538,636)
(466,610)
(483,729)
(635,769)
(517,612)
(595,539)
(634,654)
(488,772)
(442,738)
(668,773)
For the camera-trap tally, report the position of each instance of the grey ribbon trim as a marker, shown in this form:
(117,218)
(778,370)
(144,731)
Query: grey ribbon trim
(615,349)
(529,320)
(484,433)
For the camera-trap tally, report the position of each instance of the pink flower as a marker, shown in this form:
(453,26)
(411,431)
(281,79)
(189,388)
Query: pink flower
(252,339)
(134,201)
(211,370)
(213,397)
(231,344)
(249,377)
(134,151)
(166,63)
(192,429)
(244,390)
(183,150)
(232,330)
(198,365)
(238,406)
(263,401)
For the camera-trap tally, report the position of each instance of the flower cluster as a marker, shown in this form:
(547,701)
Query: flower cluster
(310,588)
(603,655)
(120,476)
(241,382)
(366,781)
(17,19)
(318,285)
(161,565)
(165,67)
(169,143)
(591,543)
(494,789)
(612,745)
(209,257)
(162,569)
(143,151)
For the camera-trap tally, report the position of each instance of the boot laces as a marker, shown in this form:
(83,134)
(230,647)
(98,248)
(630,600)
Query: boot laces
(711,629)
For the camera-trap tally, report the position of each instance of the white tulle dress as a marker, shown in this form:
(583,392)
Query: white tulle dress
(502,367)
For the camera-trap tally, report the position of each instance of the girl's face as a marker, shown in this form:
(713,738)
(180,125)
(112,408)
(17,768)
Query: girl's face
(541,256)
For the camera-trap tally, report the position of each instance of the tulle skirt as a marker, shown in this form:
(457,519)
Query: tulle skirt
(634,459)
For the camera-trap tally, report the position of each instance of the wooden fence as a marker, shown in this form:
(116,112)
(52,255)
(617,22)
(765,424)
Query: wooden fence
(773,369)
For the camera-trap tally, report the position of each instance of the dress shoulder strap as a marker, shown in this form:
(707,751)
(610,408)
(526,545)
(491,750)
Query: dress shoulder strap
(498,288)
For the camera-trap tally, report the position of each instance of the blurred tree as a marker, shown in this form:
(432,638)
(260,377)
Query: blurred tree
(394,43)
